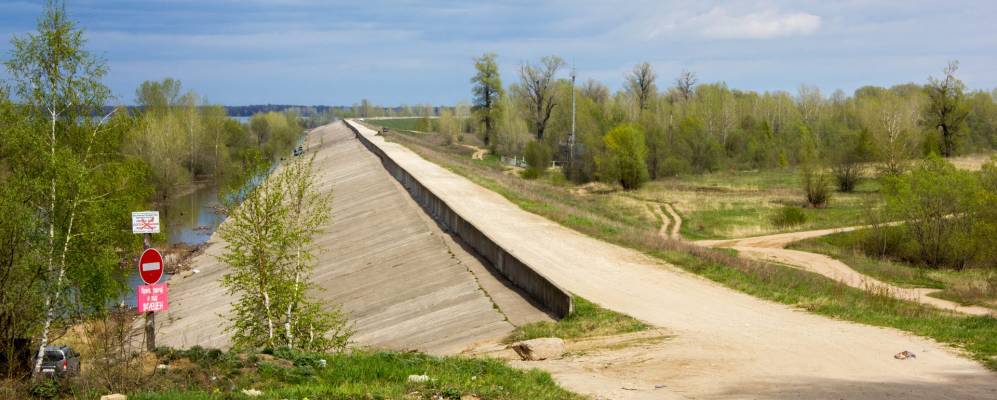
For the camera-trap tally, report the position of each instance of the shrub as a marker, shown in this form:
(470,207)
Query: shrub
(937,202)
(538,159)
(788,216)
(817,186)
(624,159)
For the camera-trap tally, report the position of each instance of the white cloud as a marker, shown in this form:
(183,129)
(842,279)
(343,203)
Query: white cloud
(720,24)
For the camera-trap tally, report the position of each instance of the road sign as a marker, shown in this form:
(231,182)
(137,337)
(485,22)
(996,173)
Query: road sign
(150,266)
(152,298)
(145,222)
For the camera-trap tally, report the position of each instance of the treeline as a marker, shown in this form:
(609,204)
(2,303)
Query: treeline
(183,140)
(683,126)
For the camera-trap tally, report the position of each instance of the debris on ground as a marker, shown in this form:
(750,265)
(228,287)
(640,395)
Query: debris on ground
(115,396)
(251,392)
(903,355)
(418,378)
(539,349)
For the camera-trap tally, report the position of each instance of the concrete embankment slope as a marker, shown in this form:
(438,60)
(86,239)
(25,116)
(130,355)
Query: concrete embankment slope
(727,344)
(403,282)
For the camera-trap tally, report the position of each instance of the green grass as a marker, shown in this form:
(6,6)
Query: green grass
(967,287)
(406,124)
(588,320)
(612,219)
(742,203)
(373,375)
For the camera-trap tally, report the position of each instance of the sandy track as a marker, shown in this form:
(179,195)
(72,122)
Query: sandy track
(772,248)
(727,344)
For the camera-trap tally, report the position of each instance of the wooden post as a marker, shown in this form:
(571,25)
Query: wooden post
(150,317)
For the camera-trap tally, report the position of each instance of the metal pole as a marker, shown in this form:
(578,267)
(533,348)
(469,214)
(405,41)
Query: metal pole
(150,317)
(571,138)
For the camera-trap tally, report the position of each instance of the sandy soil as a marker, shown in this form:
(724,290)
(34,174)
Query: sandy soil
(726,344)
(479,153)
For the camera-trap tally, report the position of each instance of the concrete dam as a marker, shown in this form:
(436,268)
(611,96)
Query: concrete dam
(404,282)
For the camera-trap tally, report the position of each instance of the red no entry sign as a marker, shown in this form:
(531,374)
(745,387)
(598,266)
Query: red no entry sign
(150,266)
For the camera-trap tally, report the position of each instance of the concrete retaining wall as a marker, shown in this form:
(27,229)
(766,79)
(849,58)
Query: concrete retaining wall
(556,300)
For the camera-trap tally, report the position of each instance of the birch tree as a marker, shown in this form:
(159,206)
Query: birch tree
(640,84)
(268,249)
(487,91)
(76,172)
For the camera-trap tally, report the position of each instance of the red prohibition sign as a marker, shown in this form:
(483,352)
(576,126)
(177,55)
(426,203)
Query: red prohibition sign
(150,266)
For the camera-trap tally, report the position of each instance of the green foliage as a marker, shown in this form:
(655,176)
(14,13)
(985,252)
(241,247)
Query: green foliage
(937,202)
(588,320)
(70,173)
(357,375)
(849,159)
(538,159)
(487,91)
(268,237)
(947,108)
(624,158)
(788,216)
(816,187)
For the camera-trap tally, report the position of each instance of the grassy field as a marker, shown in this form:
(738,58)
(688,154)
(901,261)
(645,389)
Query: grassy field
(967,287)
(211,374)
(627,221)
(405,124)
(739,204)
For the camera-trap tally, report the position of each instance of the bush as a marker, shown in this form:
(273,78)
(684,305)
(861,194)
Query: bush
(937,202)
(538,159)
(788,216)
(624,159)
(817,186)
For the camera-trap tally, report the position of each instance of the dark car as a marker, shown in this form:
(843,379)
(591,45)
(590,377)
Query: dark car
(60,361)
(299,151)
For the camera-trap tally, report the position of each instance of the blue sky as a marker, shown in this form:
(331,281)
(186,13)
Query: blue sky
(393,52)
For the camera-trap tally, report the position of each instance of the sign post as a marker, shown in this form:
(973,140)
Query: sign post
(150,268)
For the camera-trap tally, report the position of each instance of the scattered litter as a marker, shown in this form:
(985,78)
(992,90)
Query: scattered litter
(628,388)
(903,355)
(474,377)
(418,378)
(251,392)
(659,386)
(321,363)
(162,367)
(195,270)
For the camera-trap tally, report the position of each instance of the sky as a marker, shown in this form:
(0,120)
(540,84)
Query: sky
(411,52)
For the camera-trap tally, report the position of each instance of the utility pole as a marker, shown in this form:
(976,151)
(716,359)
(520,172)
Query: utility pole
(571,137)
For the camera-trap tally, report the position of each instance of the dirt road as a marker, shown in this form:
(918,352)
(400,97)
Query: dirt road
(772,248)
(726,344)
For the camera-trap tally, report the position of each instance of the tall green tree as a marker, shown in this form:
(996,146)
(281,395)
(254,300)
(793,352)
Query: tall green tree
(487,90)
(947,108)
(72,168)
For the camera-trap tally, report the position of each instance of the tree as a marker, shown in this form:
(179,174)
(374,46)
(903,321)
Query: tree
(947,108)
(537,85)
(685,83)
(892,120)
(72,170)
(487,90)
(624,159)
(640,84)
(268,240)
